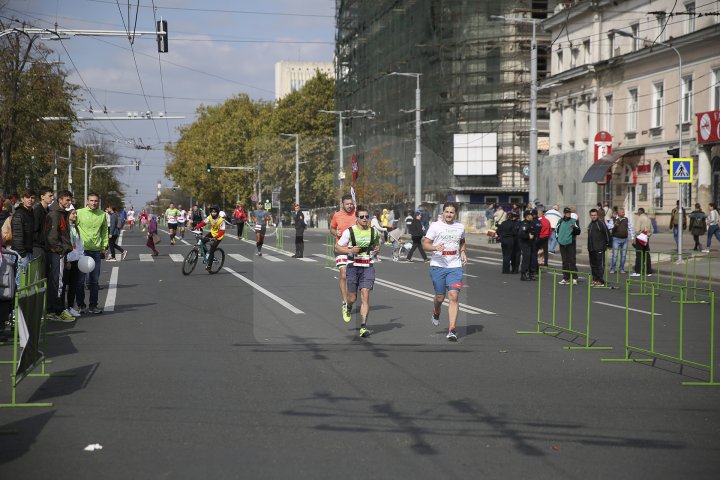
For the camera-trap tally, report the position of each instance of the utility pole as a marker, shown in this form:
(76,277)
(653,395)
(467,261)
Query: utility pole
(70,182)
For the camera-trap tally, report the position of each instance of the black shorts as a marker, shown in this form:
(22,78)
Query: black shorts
(172,226)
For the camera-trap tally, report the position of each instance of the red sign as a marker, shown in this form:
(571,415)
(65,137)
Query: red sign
(603,145)
(354,167)
(709,127)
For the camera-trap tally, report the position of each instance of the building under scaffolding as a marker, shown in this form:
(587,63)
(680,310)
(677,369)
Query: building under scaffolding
(475,80)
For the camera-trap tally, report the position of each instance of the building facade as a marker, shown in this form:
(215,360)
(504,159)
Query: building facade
(474,79)
(291,76)
(618,104)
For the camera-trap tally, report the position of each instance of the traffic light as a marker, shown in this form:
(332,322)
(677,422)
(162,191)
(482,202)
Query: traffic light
(674,152)
(137,166)
(136,191)
(162,36)
(209,168)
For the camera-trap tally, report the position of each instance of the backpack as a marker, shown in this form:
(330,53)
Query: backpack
(7,230)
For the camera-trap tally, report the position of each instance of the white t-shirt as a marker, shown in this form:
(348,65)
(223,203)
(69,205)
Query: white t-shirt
(449,235)
(182,218)
(131,215)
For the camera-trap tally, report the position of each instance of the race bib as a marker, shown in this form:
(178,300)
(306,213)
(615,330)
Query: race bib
(258,227)
(361,260)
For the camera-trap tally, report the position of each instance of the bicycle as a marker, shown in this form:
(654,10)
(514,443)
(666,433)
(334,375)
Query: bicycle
(199,250)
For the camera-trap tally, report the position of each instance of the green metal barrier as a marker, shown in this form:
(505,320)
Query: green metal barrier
(279,237)
(554,326)
(651,350)
(330,251)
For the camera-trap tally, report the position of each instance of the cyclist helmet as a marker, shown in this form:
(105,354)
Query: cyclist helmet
(215,207)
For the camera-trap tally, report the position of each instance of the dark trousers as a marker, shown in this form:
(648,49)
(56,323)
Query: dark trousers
(529,257)
(569,260)
(56,266)
(507,251)
(543,244)
(93,280)
(70,283)
(515,257)
(597,265)
(211,245)
(642,254)
(299,245)
(151,244)
(240,226)
(112,242)
(417,244)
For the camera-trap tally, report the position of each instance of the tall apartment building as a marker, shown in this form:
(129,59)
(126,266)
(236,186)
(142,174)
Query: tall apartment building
(618,104)
(474,88)
(291,76)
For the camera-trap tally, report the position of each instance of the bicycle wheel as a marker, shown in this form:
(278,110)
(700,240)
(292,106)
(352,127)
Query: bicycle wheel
(190,261)
(218,261)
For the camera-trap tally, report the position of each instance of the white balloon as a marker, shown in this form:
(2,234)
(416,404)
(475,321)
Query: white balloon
(86,264)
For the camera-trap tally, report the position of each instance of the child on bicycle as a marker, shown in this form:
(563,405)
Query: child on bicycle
(215,235)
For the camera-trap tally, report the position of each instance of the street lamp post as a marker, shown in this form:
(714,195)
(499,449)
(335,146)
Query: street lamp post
(418,123)
(297,164)
(679,105)
(348,114)
(532,147)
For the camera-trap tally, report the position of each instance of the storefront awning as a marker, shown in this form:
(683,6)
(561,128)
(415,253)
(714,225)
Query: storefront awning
(598,170)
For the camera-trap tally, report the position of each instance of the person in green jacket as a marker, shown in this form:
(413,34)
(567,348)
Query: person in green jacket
(567,230)
(93,227)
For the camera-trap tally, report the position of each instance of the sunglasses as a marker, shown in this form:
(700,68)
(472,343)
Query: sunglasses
(363,216)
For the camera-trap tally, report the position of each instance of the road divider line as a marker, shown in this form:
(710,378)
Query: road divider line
(420,294)
(239,257)
(260,289)
(623,307)
(112,291)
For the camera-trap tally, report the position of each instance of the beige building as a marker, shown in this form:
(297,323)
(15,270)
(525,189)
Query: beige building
(291,76)
(609,73)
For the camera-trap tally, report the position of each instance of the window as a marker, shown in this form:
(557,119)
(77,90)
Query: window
(660,23)
(657,179)
(657,105)
(715,90)
(574,55)
(632,109)
(611,39)
(635,30)
(608,113)
(559,60)
(687,93)
(586,52)
(690,22)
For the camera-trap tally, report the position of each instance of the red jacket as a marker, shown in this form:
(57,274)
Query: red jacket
(546,229)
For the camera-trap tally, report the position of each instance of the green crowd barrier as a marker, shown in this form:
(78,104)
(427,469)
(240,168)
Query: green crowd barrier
(330,251)
(279,237)
(650,349)
(554,327)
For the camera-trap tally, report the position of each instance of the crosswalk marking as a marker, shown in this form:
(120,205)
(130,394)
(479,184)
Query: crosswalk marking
(239,257)
(272,259)
(176,257)
(146,257)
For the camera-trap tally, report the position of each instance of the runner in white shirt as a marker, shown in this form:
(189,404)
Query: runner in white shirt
(131,218)
(181,221)
(446,240)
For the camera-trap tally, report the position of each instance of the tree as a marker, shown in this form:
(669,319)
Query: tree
(377,183)
(31,87)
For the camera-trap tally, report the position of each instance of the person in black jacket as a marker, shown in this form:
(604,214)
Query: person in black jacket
(23,229)
(40,211)
(598,240)
(299,231)
(58,246)
(507,233)
(527,235)
(417,231)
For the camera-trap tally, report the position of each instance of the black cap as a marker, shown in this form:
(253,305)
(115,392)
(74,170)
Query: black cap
(534,211)
(527,212)
(567,210)
(641,210)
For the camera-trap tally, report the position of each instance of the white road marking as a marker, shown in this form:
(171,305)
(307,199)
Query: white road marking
(272,259)
(264,291)
(146,257)
(623,307)
(420,294)
(112,291)
(468,275)
(239,257)
(176,257)
(119,241)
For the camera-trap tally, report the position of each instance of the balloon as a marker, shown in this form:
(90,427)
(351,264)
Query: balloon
(86,264)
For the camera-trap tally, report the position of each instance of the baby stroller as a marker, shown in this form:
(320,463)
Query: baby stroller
(400,247)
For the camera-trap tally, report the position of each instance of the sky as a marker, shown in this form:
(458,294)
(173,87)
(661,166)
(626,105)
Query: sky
(217,49)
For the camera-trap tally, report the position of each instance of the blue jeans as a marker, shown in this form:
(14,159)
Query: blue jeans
(93,278)
(552,242)
(675,234)
(713,230)
(619,245)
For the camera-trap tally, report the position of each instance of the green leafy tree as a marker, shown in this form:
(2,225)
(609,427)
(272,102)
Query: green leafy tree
(377,182)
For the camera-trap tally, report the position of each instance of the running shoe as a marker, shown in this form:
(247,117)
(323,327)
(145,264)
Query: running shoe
(124,255)
(563,282)
(612,272)
(452,336)
(111,259)
(95,310)
(346,313)
(73,312)
(435,319)
(364,332)
(259,254)
(66,316)
(634,274)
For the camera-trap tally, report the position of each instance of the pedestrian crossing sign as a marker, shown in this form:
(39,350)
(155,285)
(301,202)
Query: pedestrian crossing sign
(681,170)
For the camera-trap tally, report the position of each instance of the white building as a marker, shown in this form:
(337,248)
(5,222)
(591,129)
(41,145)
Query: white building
(610,73)
(291,76)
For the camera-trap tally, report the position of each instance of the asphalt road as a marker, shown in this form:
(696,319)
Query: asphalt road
(251,373)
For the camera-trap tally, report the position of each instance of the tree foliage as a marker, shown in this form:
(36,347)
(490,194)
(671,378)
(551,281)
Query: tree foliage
(31,87)
(243,132)
(377,182)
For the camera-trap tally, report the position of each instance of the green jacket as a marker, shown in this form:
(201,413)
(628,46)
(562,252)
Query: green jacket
(93,229)
(567,229)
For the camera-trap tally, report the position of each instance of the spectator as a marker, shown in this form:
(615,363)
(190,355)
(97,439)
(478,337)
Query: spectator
(240,216)
(385,221)
(115,226)
(416,233)
(675,220)
(23,230)
(621,229)
(93,227)
(152,234)
(713,225)
(553,215)
(698,225)
(40,211)
(59,244)
(71,279)
(641,242)
(544,235)
(567,230)
(598,240)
